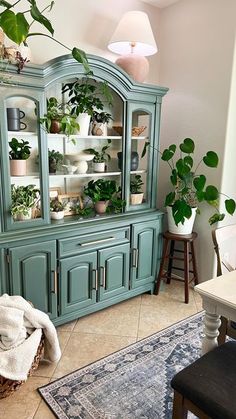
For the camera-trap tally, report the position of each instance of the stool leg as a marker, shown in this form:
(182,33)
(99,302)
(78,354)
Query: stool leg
(170,264)
(194,264)
(186,272)
(158,281)
(179,411)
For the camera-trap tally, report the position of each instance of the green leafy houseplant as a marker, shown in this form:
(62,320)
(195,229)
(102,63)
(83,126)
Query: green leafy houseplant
(189,187)
(100,156)
(103,117)
(55,159)
(65,122)
(20,149)
(136,185)
(100,189)
(116,206)
(17,25)
(23,199)
(86,97)
(57,206)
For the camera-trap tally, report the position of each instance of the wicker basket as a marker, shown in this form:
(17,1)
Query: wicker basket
(7,387)
(136,131)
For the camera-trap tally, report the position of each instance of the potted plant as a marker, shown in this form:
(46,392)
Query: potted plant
(190,188)
(19,153)
(24,199)
(136,194)
(116,206)
(84,99)
(99,123)
(100,157)
(59,119)
(57,209)
(55,159)
(100,192)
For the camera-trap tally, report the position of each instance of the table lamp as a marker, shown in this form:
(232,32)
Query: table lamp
(134,40)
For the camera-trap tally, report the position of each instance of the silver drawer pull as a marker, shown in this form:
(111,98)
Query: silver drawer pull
(135,258)
(95,271)
(103,276)
(97,241)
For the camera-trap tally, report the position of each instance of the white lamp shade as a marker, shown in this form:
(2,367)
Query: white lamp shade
(133,28)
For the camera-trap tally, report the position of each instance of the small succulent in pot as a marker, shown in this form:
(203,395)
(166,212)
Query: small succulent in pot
(57,209)
(136,194)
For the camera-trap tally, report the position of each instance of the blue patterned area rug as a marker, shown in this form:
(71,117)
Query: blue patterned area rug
(133,383)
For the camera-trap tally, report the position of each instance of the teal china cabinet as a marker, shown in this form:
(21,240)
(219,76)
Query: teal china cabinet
(87,260)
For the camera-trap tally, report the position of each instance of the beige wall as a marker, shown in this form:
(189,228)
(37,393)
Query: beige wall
(89,25)
(197,44)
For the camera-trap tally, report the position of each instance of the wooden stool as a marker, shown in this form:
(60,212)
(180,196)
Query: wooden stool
(188,250)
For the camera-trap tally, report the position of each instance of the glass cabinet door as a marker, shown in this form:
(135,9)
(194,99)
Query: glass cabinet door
(23,160)
(139,154)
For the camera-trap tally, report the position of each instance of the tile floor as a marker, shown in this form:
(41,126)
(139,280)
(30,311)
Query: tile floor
(92,337)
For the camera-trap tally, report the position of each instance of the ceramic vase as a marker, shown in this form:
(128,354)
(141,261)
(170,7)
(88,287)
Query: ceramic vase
(134,160)
(83,120)
(100,129)
(181,229)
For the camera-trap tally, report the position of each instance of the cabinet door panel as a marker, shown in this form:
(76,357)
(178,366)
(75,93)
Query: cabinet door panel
(32,272)
(144,252)
(113,271)
(78,282)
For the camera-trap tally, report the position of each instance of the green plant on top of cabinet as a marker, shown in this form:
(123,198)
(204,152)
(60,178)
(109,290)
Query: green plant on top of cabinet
(19,153)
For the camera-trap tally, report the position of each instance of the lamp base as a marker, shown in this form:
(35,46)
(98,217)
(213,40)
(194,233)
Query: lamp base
(136,66)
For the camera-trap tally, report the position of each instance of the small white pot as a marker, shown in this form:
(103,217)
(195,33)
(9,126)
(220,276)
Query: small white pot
(57,215)
(136,199)
(83,120)
(99,167)
(99,128)
(183,229)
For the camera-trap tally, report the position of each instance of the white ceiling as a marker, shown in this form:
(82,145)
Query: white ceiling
(160,3)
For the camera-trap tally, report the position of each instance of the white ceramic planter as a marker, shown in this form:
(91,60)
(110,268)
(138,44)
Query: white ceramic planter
(18,167)
(57,215)
(99,167)
(181,229)
(136,199)
(22,217)
(83,120)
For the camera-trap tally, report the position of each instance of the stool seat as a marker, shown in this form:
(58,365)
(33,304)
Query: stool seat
(207,387)
(188,257)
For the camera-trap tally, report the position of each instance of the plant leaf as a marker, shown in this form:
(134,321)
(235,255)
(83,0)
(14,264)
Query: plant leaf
(14,25)
(180,211)
(211,159)
(199,182)
(169,199)
(80,56)
(4,3)
(215,218)
(230,206)
(169,152)
(188,161)
(173,177)
(37,15)
(145,148)
(182,168)
(211,193)
(187,146)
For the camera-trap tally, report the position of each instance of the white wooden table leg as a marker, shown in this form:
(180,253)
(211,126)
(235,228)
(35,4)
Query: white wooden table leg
(211,331)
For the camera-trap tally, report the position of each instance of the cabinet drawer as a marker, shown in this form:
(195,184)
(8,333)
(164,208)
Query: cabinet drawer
(79,244)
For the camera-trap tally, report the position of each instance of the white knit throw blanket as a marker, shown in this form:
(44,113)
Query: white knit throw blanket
(21,328)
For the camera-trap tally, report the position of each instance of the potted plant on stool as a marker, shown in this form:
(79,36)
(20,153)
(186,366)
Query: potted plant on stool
(190,188)
(19,153)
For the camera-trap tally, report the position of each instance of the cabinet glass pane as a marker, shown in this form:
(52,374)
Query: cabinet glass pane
(24,158)
(92,155)
(140,170)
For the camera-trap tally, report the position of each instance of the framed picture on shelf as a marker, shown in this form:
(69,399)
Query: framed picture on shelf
(71,200)
(54,192)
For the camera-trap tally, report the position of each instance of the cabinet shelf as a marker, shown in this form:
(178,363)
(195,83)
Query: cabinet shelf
(93,174)
(22,133)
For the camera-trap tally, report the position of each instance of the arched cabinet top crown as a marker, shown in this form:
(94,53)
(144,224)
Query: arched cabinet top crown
(65,67)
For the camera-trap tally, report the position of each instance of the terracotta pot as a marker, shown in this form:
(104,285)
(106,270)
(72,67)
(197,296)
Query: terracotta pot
(55,127)
(18,167)
(101,206)
(136,199)
(183,229)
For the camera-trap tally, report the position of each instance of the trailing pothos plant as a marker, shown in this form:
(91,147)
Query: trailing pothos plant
(17,25)
(189,186)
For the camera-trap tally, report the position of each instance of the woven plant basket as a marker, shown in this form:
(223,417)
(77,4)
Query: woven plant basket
(8,387)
